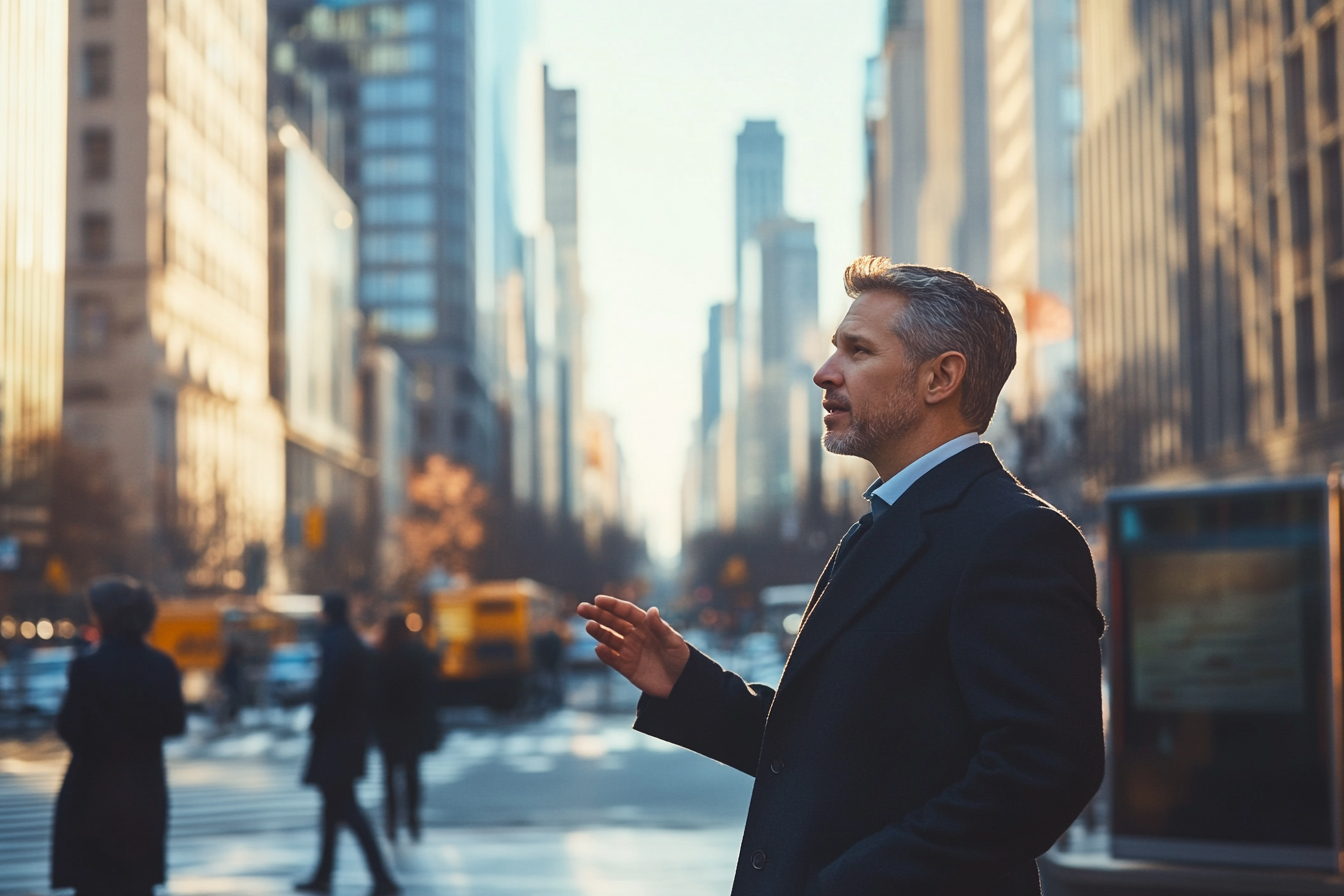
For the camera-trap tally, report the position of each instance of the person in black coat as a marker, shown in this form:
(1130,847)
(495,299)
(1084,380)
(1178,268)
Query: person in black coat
(340,746)
(405,717)
(123,699)
(938,723)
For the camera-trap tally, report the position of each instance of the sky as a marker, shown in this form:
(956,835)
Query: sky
(663,91)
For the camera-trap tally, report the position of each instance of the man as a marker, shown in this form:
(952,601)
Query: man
(938,724)
(340,746)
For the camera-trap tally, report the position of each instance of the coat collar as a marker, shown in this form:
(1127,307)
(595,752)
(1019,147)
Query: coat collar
(892,543)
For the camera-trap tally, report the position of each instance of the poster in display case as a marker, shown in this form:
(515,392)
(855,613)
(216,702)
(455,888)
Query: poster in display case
(1224,707)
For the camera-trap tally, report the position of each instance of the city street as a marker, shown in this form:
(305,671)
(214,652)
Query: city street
(571,803)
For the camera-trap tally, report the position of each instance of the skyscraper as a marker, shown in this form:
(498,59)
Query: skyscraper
(1211,240)
(166,364)
(403,74)
(758,181)
(32,268)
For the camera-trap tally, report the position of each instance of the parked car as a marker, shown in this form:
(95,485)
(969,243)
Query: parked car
(35,683)
(292,673)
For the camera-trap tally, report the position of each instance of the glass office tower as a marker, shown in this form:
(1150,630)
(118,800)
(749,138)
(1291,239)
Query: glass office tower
(403,76)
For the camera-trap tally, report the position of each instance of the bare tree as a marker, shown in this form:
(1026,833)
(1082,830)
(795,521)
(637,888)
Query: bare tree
(443,525)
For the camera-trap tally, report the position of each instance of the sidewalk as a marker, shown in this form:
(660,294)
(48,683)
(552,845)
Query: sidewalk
(466,862)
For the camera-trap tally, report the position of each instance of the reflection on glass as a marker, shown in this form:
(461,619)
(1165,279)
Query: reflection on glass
(399,208)
(397,170)
(382,287)
(1219,690)
(396,93)
(398,247)
(407,323)
(414,130)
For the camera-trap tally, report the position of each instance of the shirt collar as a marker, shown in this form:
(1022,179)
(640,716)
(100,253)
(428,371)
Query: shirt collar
(884,494)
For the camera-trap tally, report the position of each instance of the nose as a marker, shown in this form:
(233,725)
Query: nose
(828,374)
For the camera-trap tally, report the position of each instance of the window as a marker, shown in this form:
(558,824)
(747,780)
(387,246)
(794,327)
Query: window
(91,325)
(1299,201)
(394,57)
(406,323)
(95,236)
(1288,15)
(1272,214)
(402,170)
(1276,351)
(1313,7)
(97,70)
(424,425)
(395,287)
(1332,203)
(1304,323)
(1326,70)
(461,426)
(97,145)
(398,247)
(1294,85)
(97,9)
(409,131)
(1334,339)
(419,18)
(399,208)
(396,93)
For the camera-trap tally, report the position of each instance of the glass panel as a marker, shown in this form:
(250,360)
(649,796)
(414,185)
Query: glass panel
(397,170)
(408,323)
(398,247)
(396,93)
(392,287)
(1304,323)
(399,208)
(403,131)
(1219,708)
(1328,74)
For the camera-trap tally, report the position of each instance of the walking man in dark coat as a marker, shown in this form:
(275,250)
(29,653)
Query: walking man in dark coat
(123,699)
(938,724)
(405,717)
(340,746)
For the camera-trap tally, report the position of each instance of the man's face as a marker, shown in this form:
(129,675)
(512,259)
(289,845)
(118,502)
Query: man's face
(870,385)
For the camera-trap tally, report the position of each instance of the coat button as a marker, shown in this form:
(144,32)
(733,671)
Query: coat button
(758,860)
(777,766)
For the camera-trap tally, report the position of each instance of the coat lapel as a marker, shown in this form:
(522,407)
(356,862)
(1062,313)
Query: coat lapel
(893,543)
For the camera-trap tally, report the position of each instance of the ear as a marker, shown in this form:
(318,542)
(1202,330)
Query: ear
(943,376)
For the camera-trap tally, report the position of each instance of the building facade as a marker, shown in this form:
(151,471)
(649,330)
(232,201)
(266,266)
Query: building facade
(314,368)
(33,66)
(402,75)
(971,119)
(166,283)
(1211,240)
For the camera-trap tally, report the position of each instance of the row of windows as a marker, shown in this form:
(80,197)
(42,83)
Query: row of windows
(362,23)
(378,133)
(397,170)
(396,287)
(396,93)
(398,208)
(403,323)
(397,247)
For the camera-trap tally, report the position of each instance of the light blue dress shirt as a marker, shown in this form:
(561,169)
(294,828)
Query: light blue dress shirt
(881,495)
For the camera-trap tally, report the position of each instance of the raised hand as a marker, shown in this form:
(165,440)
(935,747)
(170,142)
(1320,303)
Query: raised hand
(637,644)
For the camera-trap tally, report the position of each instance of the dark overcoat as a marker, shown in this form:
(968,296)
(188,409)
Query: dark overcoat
(112,812)
(340,726)
(405,704)
(938,724)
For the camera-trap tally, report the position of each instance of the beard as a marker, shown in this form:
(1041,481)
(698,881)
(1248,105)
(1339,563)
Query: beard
(884,423)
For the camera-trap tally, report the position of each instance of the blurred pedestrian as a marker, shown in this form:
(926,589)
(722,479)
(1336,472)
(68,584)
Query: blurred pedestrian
(340,730)
(124,698)
(405,717)
(231,683)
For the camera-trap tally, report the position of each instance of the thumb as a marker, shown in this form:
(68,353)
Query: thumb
(665,633)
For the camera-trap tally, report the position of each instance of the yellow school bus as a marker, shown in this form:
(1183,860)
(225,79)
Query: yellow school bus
(482,634)
(191,631)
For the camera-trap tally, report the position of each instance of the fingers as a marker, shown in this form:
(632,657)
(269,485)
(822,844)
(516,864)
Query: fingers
(605,618)
(603,635)
(622,608)
(608,656)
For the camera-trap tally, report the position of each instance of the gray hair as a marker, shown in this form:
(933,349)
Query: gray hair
(947,312)
(124,606)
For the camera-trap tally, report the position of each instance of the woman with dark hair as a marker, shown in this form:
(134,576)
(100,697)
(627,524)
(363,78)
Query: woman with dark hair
(405,719)
(124,698)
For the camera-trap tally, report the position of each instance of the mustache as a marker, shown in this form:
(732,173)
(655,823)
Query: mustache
(835,402)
